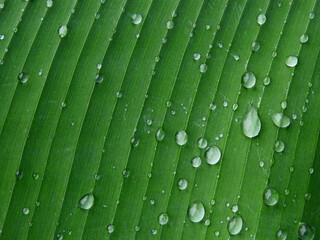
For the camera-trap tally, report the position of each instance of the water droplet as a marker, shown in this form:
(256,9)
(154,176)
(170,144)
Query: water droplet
(196,211)
(22,77)
(311,15)
(212,155)
(49,3)
(154,231)
(270,196)
(304,38)
(196,162)
(261,19)
(234,208)
(203,68)
(281,235)
(86,202)
(170,24)
(1,36)
(125,173)
(279,146)
(305,232)
(266,81)
(307,196)
(134,142)
(1,7)
(149,122)
(255,46)
(291,61)
(311,170)
(25,211)
(235,225)
(137,228)
(286,192)
(280,120)
(212,106)
(35,176)
(110,228)
(63,30)
(251,124)
(163,218)
(136,18)
(19,174)
(196,56)
(234,107)
(248,80)
(283,104)
(225,104)
(160,134)
(99,78)
(202,143)
(182,184)
(236,57)
(181,137)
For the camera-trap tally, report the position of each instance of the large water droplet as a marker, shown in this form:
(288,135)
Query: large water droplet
(235,225)
(281,235)
(280,120)
(49,3)
(25,211)
(270,196)
(163,218)
(160,134)
(63,30)
(196,211)
(261,19)
(196,56)
(182,184)
(181,137)
(291,61)
(251,124)
(305,232)
(279,146)
(212,155)
(86,202)
(136,18)
(202,143)
(248,80)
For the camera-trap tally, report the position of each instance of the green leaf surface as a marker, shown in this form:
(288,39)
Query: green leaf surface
(81,156)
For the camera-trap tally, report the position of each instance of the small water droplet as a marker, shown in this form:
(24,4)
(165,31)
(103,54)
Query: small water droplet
(212,155)
(154,231)
(170,24)
(311,15)
(304,38)
(182,184)
(266,81)
(255,46)
(196,162)
(86,202)
(291,61)
(181,137)
(19,174)
(163,219)
(305,232)
(22,77)
(110,228)
(234,208)
(1,36)
(49,3)
(25,211)
(279,146)
(311,170)
(203,68)
(134,142)
(248,80)
(270,196)
(280,120)
(261,19)
(212,106)
(137,228)
(196,211)
(283,104)
(99,78)
(136,18)
(63,30)
(251,124)
(281,235)
(35,176)
(196,56)
(202,143)
(160,134)
(235,225)
(234,107)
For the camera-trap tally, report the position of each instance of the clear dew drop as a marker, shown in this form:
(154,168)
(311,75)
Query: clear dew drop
(212,155)
(154,231)
(196,56)
(49,3)
(235,208)
(196,162)
(63,30)
(182,184)
(235,225)
(207,222)
(163,218)
(270,196)
(181,137)
(291,61)
(261,19)
(248,80)
(25,211)
(305,232)
(86,202)
(202,143)
(279,146)
(203,68)
(255,46)
(170,24)
(251,124)
(134,142)
(266,81)
(212,106)
(19,174)
(1,36)
(304,38)
(1,7)
(280,120)
(99,78)
(196,211)
(160,134)
(22,77)
(311,15)
(110,228)
(281,235)
(136,18)
(283,104)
